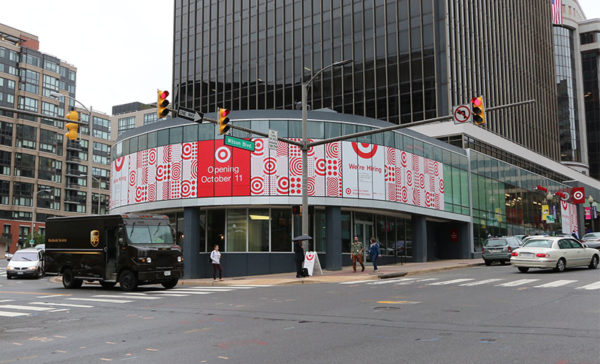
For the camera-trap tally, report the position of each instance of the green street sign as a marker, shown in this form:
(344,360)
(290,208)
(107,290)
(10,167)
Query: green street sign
(239,143)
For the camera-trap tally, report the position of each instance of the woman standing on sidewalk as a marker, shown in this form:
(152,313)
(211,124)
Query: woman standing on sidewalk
(215,257)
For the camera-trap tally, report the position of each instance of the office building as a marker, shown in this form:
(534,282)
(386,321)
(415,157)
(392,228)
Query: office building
(43,174)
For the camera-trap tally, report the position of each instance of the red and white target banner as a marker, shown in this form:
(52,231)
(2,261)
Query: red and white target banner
(212,169)
(568,214)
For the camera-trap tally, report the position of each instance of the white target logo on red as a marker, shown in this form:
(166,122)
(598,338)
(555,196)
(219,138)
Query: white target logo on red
(578,195)
(222,154)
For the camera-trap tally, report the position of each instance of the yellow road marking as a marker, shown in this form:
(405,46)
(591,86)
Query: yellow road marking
(400,302)
(196,330)
(151,349)
(222,357)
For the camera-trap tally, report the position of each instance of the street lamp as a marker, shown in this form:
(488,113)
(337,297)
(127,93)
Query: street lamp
(34,206)
(58,95)
(304,148)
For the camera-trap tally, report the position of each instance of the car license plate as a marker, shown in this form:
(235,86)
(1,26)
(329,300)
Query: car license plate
(19,272)
(167,273)
(526,255)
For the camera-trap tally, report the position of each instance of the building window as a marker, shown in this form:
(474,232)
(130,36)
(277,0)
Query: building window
(26,136)
(27,103)
(5,162)
(150,118)
(236,230)
(51,66)
(4,195)
(24,165)
(30,81)
(6,130)
(49,199)
(50,169)
(6,230)
(258,230)
(126,124)
(22,194)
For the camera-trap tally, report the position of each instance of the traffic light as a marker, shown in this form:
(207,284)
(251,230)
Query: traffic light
(478,110)
(296,210)
(162,103)
(223,121)
(72,127)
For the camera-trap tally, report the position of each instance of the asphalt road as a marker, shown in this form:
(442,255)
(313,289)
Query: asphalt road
(474,315)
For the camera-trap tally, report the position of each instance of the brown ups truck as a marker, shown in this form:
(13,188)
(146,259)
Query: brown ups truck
(127,249)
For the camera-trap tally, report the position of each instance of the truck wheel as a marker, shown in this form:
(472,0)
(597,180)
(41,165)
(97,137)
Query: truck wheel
(69,281)
(170,284)
(128,281)
(107,285)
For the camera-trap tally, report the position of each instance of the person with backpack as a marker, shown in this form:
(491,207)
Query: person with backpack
(374,252)
(215,257)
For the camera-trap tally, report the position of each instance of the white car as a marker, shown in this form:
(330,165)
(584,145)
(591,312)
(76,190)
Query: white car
(557,252)
(26,263)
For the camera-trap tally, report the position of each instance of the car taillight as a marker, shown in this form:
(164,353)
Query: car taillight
(542,255)
(482,249)
(509,249)
(515,254)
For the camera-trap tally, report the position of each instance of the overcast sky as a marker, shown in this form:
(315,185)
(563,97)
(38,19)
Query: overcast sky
(122,49)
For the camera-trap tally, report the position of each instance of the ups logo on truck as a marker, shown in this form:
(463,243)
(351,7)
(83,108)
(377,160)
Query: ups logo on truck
(94,238)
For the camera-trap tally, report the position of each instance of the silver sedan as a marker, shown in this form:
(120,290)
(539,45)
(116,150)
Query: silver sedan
(557,252)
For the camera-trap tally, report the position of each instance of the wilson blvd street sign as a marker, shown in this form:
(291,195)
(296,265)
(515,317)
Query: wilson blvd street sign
(239,143)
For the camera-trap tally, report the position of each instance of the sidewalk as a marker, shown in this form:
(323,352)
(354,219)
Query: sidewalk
(344,275)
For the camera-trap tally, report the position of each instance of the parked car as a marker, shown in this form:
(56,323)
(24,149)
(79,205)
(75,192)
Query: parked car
(8,256)
(557,252)
(592,240)
(26,263)
(521,238)
(499,249)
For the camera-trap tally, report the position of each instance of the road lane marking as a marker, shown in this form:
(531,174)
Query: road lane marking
(444,283)
(60,304)
(356,282)
(387,281)
(35,293)
(99,300)
(194,292)
(26,308)
(13,314)
(478,283)
(519,282)
(205,289)
(6,300)
(173,295)
(559,283)
(399,302)
(127,296)
(591,286)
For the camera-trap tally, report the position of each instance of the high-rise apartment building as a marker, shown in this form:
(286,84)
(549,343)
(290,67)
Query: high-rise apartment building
(412,59)
(43,174)
(589,32)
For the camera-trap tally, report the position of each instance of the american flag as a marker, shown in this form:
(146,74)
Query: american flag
(557,12)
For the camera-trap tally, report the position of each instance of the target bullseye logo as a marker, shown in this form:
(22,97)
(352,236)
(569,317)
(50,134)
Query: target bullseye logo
(578,195)
(310,256)
(364,150)
(222,154)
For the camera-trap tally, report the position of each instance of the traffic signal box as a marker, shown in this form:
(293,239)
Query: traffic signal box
(162,103)
(223,121)
(296,210)
(72,128)
(478,110)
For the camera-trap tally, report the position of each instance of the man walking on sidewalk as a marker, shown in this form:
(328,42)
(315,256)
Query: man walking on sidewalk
(374,252)
(356,252)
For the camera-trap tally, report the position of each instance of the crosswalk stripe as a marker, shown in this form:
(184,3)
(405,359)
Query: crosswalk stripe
(205,289)
(166,294)
(126,296)
(519,282)
(485,281)
(559,283)
(26,308)
(387,281)
(13,314)
(60,304)
(6,300)
(427,279)
(356,282)
(98,300)
(444,283)
(591,286)
(191,292)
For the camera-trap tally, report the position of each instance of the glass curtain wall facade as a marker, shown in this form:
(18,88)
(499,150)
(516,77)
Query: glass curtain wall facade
(564,53)
(255,54)
(591,91)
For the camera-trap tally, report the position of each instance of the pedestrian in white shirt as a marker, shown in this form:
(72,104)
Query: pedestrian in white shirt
(215,256)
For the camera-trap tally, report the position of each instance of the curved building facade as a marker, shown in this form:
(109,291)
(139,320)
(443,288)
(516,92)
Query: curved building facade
(420,198)
(412,59)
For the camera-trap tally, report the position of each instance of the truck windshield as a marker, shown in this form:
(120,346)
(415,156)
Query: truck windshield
(149,234)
